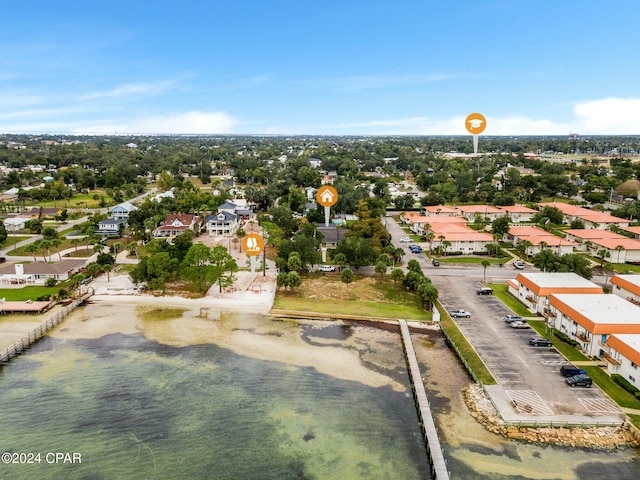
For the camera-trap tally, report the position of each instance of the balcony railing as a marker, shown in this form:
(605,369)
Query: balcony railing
(610,359)
(531,299)
(633,300)
(549,313)
(583,337)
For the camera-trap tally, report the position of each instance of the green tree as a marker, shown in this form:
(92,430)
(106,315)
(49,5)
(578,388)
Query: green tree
(500,226)
(195,267)
(381,270)
(3,232)
(397,275)
(485,264)
(293,280)
(346,277)
(428,294)
(225,266)
(161,267)
(294,264)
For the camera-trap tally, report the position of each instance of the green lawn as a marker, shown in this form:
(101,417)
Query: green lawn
(359,300)
(467,352)
(27,293)
(10,240)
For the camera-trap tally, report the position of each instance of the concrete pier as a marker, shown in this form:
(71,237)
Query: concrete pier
(434,449)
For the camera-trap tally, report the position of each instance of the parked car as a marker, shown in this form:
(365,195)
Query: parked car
(326,268)
(406,240)
(460,314)
(415,249)
(519,324)
(538,341)
(571,370)
(518,265)
(484,291)
(581,380)
(435,263)
(514,318)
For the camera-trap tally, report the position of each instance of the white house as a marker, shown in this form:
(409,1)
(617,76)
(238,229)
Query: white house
(627,287)
(222,223)
(591,319)
(533,289)
(623,357)
(122,210)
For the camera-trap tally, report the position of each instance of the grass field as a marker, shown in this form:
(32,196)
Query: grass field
(27,293)
(466,350)
(365,296)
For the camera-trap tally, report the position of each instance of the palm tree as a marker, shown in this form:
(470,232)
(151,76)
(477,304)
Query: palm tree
(485,264)
(446,244)
(132,248)
(602,254)
(619,248)
(107,268)
(75,242)
(524,246)
(55,243)
(32,248)
(346,277)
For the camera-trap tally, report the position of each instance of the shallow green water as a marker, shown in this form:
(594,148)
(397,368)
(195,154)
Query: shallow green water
(134,408)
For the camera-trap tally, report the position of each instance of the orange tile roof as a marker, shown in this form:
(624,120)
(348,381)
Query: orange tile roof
(634,230)
(440,209)
(479,209)
(599,313)
(537,235)
(631,283)
(543,284)
(624,345)
(612,243)
(443,227)
(471,236)
(517,209)
(590,233)
(585,213)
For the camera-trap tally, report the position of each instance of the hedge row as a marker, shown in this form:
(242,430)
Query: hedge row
(565,338)
(620,380)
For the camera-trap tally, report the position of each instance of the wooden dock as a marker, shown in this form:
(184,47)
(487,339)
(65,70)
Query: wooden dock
(25,342)
(432,442)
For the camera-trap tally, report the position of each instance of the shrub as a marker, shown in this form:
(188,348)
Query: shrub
(50,282)
(620,380)
(565,338)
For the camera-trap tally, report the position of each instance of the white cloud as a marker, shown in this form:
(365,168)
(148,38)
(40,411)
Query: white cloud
(127,89)
(615,116)
(194,122)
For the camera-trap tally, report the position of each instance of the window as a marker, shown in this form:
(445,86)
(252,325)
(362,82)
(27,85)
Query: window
(633,365)
(633,380)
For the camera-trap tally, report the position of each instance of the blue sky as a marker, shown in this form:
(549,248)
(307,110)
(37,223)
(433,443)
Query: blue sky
(324,67)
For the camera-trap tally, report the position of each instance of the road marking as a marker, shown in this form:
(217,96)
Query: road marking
(598,405)
(528,402)
(553,362)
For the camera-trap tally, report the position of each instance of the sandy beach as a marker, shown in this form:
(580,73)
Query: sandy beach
(252,293)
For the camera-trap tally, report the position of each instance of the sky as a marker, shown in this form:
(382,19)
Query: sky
(299,67)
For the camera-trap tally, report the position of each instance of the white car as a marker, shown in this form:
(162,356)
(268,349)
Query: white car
(519,324)
(460,314)
(326,268)
(406,240)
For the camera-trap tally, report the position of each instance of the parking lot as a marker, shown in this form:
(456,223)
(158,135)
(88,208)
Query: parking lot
(529,381)
(530,387)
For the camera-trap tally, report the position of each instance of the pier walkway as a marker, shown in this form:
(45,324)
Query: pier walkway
(24,343)
(436,456)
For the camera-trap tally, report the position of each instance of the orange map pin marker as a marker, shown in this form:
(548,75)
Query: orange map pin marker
(475,123)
